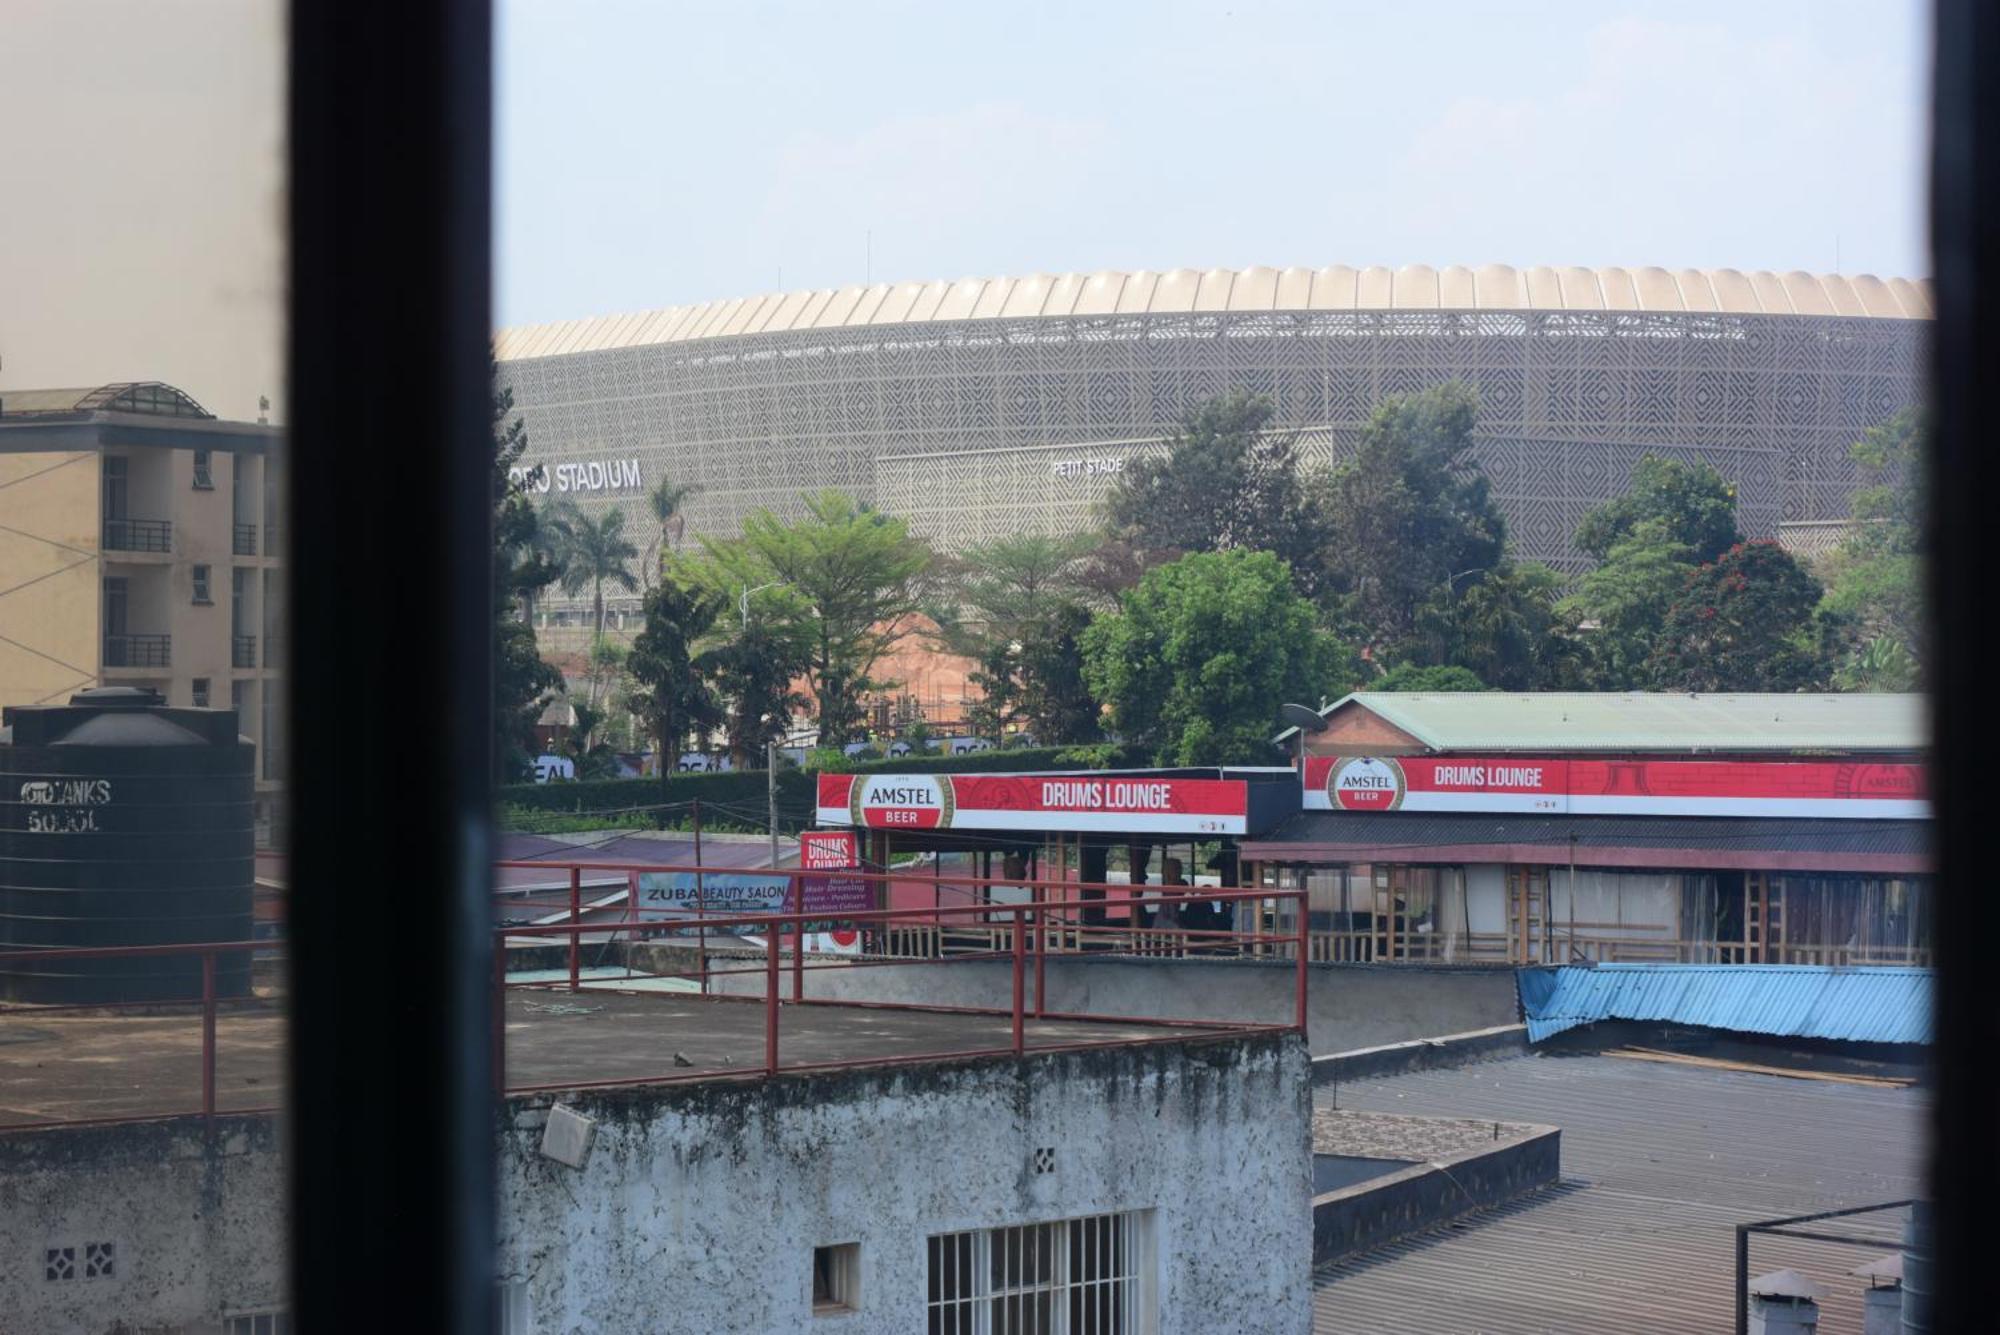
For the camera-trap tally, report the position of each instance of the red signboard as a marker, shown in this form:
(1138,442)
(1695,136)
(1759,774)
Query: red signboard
(1115,803)
(1854,789)
(828,850)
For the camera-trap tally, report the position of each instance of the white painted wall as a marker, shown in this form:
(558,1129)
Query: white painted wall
(198,1230)
(699,1207)
(700,1204)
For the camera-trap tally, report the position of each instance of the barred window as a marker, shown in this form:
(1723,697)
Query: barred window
(1069,1277)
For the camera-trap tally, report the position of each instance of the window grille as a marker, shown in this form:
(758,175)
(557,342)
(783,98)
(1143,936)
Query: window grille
(1069,1277)
(258,1323)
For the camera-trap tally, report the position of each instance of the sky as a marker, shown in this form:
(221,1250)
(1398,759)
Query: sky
(655,154)
(651,153)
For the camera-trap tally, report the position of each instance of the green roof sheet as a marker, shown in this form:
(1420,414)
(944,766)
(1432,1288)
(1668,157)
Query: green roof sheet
(1650,721)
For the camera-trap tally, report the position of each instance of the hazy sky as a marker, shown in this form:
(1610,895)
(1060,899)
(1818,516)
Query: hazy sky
(652,153)
(655,153)
(142,196)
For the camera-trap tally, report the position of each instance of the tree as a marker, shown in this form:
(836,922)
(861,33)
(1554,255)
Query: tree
(669,694)
(1196,660)
(1875,578)
(1691,505)
(1410,677)
(1743,622)
(666,501)
(594,552)
(1225,482)
(753,669)
(847,582)
(1622,604)
(594,759)
(1506,626)
(1017,607)
(522,680)
(1648,541)
(1409,512)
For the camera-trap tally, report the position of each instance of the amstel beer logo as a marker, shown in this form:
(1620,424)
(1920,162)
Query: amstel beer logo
(1366,783)
(901,801)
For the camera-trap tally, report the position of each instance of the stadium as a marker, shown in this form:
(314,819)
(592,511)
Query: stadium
(987,407)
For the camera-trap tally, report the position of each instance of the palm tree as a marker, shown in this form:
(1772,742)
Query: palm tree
(666,501)
(593,552)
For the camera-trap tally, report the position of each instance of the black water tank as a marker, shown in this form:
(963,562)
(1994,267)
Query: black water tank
(123,823)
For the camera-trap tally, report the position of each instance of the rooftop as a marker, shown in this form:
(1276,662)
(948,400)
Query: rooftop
(1649,721)
(149,397)
(1660,1163)
(1489,287)
(75,1065)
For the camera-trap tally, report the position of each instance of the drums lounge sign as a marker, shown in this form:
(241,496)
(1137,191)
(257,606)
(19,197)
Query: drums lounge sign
(591,475)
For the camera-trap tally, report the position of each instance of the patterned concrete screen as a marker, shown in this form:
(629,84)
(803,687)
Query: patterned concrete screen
(986,412)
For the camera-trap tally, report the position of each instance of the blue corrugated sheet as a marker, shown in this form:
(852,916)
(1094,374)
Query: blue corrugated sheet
(1859,1005)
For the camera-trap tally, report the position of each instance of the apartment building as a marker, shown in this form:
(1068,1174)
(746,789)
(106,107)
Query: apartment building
(139,546)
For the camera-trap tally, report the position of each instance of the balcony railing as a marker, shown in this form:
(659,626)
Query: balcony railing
(243,540)
(138,651)
(243,651)
(138,535)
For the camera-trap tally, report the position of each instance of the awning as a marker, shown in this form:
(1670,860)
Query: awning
(1880,848)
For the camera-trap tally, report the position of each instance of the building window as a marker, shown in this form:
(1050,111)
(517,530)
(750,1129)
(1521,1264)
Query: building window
(1071,1277)
(204,475)
(258,1323)
(836,1279)
(201,692)
(201,585)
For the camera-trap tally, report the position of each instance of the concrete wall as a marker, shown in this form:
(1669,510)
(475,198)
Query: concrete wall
(1383,1209)
(51,606)
(1349,1005)
(197,1227)
(700,1205)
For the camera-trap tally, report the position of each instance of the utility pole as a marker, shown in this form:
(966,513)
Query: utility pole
(771,794)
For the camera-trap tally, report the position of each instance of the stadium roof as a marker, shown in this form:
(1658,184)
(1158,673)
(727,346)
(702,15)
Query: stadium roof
(1495,287)
(1648,721)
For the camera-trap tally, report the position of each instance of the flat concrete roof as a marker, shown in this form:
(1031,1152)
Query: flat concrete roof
(1660,1163)
(74,1065)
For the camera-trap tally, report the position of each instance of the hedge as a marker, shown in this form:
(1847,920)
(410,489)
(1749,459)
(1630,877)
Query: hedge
(797,789)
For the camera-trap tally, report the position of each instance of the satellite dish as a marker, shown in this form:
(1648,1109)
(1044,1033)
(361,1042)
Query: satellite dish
(1303,717)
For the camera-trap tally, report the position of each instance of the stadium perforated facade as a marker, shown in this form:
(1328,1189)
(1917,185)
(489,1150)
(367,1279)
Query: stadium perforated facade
(990,407)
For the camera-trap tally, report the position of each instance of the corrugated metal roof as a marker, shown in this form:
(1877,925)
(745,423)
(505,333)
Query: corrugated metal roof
(1650,721)
(1659,1164)
(1859,1005)
(1335,288)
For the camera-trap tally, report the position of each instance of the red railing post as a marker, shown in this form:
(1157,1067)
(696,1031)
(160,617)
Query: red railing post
(1305,941)
(500,1016)
(771,998)
(1041,960)
(1020,1030)
(208,1034)
(575,924)
(798,959)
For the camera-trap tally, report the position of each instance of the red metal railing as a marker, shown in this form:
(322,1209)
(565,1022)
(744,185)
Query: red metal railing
(742,959)
(209,1003)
